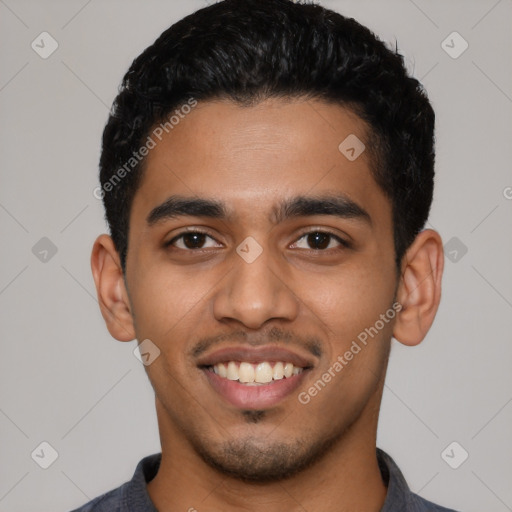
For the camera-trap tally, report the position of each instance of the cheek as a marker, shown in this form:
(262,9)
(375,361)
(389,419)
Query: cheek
(168,309)
(348,301)
(357,347)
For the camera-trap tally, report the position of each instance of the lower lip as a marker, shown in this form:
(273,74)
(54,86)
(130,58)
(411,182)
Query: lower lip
(254,397)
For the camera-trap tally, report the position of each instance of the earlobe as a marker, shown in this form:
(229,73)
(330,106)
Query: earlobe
(419,291)
(111,290)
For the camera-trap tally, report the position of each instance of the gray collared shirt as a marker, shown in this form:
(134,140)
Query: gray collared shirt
(133,495)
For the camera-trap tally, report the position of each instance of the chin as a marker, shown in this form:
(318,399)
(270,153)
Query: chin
(260,462)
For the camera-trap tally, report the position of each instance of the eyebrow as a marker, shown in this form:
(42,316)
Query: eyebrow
(334,205)
(300,206)
(178,206)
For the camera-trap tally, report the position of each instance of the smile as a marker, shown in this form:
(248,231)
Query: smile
(255,378)
(256,374)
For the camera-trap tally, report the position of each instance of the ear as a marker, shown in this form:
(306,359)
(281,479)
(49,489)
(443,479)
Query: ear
(111,289)
(419,290)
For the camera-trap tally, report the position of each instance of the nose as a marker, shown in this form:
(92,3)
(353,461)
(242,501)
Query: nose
(254,293)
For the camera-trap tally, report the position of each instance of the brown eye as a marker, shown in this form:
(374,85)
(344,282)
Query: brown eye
(193,240)
(319,241)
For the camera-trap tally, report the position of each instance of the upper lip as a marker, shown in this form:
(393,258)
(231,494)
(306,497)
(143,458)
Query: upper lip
(254,355)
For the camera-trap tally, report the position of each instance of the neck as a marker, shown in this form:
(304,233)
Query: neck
(346,479)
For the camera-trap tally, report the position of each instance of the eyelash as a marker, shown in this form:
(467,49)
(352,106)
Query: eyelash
(343,243)
(191,232)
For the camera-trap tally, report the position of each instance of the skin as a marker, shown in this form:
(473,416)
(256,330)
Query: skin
(251,159)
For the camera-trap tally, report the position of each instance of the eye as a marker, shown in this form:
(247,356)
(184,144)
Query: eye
(193,240)
(320,241)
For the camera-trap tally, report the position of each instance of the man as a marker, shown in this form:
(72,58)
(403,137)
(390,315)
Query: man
(267,170)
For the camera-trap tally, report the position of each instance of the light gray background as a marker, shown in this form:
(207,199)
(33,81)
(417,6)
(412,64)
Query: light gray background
(65,381)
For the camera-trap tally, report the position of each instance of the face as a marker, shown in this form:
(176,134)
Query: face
(258,253)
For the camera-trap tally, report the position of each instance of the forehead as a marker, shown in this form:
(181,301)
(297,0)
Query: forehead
(251,157)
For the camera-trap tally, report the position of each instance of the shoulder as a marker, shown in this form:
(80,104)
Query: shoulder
(420,504)
(131,496)
(110,501)
(399,497)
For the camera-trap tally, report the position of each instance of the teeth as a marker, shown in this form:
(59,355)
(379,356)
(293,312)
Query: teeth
(232,371)
(278,371)
(261,373)
(246,372)
(221,370)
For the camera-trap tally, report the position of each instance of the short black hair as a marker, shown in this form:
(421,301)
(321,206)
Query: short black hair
(247,51)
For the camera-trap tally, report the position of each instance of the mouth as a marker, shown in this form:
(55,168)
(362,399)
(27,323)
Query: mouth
(253,379)
(255,374)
